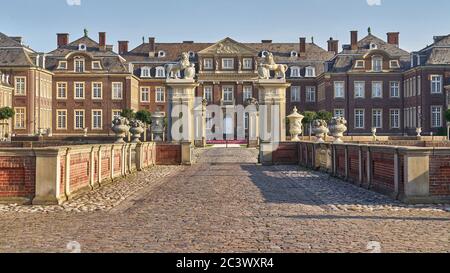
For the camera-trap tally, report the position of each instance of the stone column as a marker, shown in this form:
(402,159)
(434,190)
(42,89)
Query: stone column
(273,93)
(253,126)
(48,177)
(200,125)
(181,93)
(186,153)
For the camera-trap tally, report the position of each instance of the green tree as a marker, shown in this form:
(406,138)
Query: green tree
(145,116)
(128,113)
(327,116)
(309,117)
(6,113)
(447,115)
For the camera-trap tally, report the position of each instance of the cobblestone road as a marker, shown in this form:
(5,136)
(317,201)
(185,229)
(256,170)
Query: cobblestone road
(227,203)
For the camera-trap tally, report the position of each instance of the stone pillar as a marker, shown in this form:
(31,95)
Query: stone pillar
(253,127)
(181,93)
(416,175)
(186,153)
(273,93)
(48,177)
(140,156)
(266,149)
(200,125)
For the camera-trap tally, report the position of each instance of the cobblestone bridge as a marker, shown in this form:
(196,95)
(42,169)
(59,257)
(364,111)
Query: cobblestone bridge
(227,203)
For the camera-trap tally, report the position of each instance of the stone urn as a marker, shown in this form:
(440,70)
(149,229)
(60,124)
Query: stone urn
(337,128)
(136,130)
(419,131)
(158,126)
(319,129)
(295,124)
(120,126)
(374,133)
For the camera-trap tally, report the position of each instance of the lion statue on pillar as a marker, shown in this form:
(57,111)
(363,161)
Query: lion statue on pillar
(270,65)
(172,70)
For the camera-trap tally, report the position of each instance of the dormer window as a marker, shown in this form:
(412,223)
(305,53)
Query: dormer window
(377,64)
(208,63)
(294,54)
(310,71)
(160,72)
(394,64)
(145,72)
(161,54)
(96,65)
(360,64)
(62,65)
(373,46)
(295,72)
(79,65)
(82,47)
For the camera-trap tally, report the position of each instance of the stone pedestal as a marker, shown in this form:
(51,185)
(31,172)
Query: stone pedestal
(181,119)
(272,93)
(200,125)
(253,129)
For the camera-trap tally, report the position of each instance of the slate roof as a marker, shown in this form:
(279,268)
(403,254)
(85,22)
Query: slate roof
(437,53)
(111,61)
(13,53)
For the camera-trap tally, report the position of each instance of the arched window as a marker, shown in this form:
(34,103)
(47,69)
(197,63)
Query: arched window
(145,72)
(310,71)
(295,72)
(160,72)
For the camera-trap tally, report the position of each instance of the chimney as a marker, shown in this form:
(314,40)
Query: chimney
(393,38)
(354,39)
(188,42)
(123,47)
(63,39)
(102,40)
(266,41)
(302,45)
(333,45)
(151,42)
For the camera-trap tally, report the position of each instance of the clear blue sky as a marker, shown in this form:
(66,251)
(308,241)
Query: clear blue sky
(211,20)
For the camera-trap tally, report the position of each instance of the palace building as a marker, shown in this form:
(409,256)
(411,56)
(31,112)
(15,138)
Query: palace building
(80,86)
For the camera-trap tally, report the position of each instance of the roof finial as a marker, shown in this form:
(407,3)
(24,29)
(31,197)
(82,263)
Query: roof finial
(312,39)
(143,39)
(369,30)
(85,32)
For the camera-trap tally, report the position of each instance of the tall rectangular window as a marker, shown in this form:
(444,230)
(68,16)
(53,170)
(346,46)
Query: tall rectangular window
(339,113)
(360,89)
(227,63)
(145,94)
(436,84)
(394,118)
(79,65)
(79,119)
(436,116)
(208,93)
(117,90)
(160,96)
(395,89)
(377,64)
(295,93)
(116,113)
(97,119)
(310,94)
(61,119)
(248,63)
(79,90)
(61,92)
(377,89)
(247,93)
(208,63)
(339,90)
(97,90)
(359,118)
(377,118)
(20,84)
(19,118)
(227,93)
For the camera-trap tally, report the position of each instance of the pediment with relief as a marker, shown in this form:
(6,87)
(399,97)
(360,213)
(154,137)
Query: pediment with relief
(229,46)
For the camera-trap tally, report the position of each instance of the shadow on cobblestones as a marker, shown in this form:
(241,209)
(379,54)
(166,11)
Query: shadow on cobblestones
(364,217)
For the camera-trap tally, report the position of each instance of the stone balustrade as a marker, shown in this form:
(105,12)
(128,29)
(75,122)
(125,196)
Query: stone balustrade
(410,174)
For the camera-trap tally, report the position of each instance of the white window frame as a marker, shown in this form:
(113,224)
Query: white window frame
(310,94)
(295,93)
(375,66)
(374,91)
(362,119)
(339,112)
(310,72)
(433,113)
(146,72)
(20,115)
(113,113)
(208,63)
(360,64)
(93,123)
(394,118)
(98,67)
(247,92)
(295,72)
(435,83)
(93,87)
(144,90)
(160,72)
(227,61)
(117,94)
(208,93)
(160,95)
(394,89)
(377,116)
(22,85)
(394,64)
(76,66)
(341,88)
(228,91)
(58,116)
(59,86)
(61,66)
(83,84)
(75,119)
(359,89)
(247,63)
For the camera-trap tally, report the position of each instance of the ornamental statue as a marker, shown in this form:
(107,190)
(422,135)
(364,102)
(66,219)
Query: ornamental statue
(295,124)
(120,128)
(184,64)
(320,129)
(337,128)
(137,128)
(270,65)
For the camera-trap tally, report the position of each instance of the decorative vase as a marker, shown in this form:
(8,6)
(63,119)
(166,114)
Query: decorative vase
(295,124)
(338,128)
(120,128)
(419,131)
(137,128)
(319,129)
(158,126)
